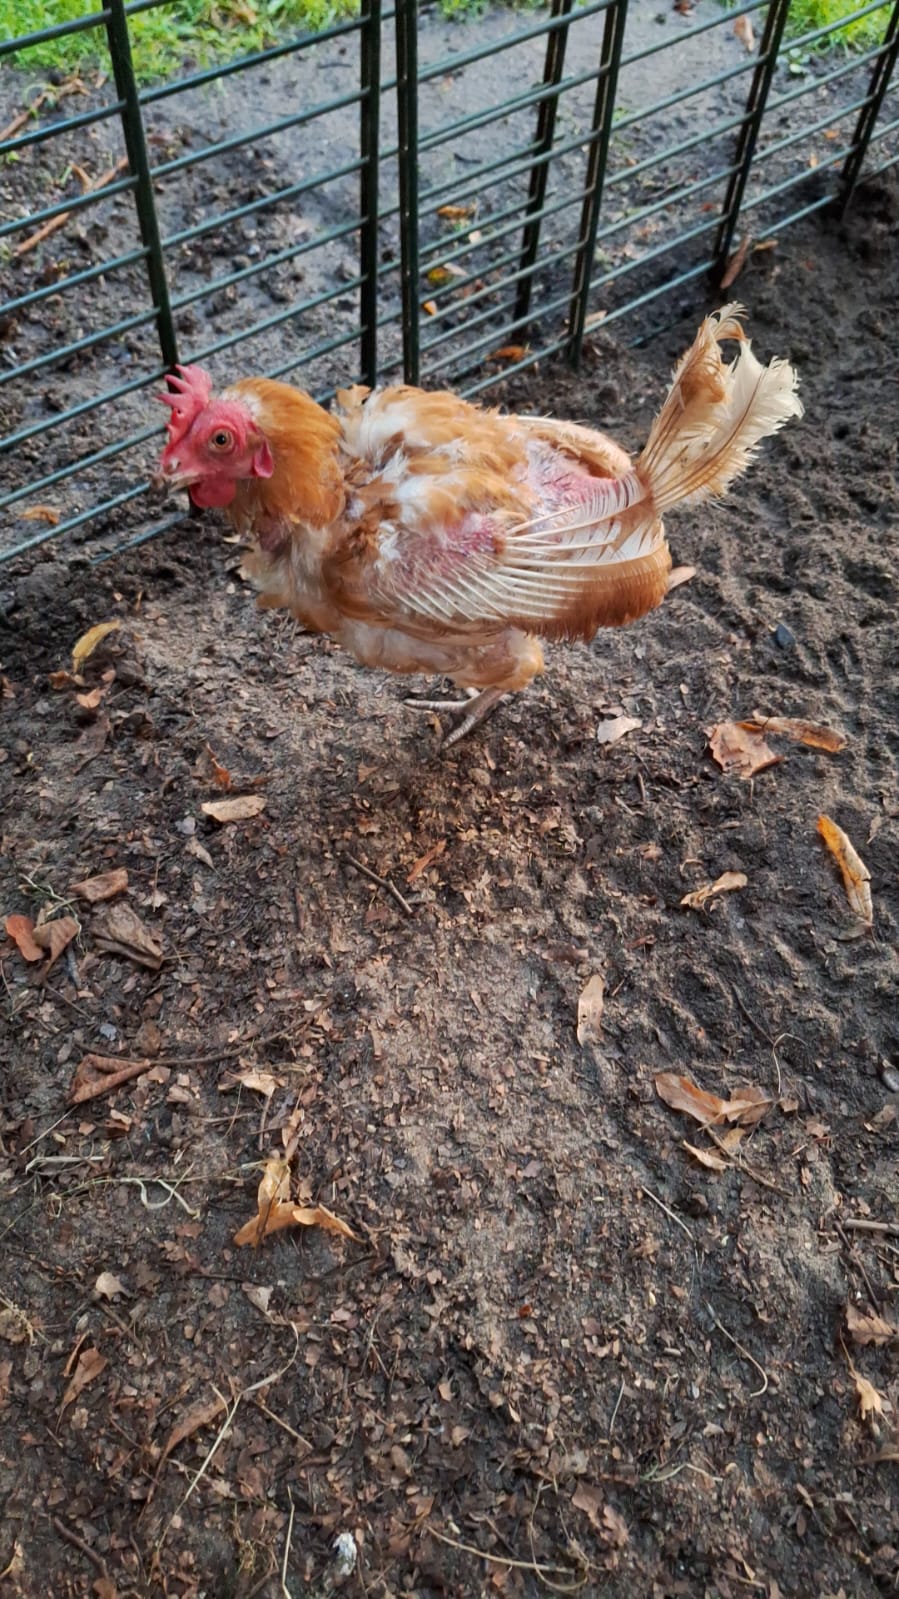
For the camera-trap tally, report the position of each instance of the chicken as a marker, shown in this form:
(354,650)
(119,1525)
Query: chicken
(426,534)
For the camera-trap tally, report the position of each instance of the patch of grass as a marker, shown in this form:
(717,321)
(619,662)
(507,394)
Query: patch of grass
(161,40)
(862,34)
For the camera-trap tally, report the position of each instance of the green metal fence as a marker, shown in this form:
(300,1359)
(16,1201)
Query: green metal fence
(450,201)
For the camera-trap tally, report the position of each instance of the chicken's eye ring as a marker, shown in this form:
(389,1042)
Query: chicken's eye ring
(221,439)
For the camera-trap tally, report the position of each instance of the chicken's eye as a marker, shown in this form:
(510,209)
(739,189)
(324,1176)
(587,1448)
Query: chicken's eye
(222,440)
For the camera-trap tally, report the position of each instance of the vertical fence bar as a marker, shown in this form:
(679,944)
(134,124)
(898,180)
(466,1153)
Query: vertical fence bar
(407,122)
(369,144)
(139,163)
(748,138)
(603,111)
(546,125)
(880,81)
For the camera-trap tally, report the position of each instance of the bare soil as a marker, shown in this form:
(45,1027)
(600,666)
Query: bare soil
(559,1354)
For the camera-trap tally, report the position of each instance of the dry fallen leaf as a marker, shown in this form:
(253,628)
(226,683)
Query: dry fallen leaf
(42,513)
(259,1082)
(870,1402)
(258,1296)
(192,1422)
(745,33)
(21,931)
(740,749)
(707,1157)
(56,936)
(424,861)
(869,1329)
(88,642)
(118,930)
(108,1286)
(612,728)
(457,213)
(220,774)
(105,885)
(746,1105)
(320,1216)
(238,809)
(101,1074)
(590,1007)
(509,352)
(438,276)
(725,884)
(811,733)
(856,876)
(90,1364)
(429,307)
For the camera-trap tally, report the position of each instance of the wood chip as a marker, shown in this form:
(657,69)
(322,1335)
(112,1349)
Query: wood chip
(811,733)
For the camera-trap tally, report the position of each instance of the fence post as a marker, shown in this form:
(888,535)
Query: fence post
(139,163)
(603,111)
(870,111)
(407,121)
(749,132)
(546,124)
(369,141)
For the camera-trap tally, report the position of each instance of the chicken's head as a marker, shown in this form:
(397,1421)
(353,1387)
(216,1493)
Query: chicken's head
(213,443)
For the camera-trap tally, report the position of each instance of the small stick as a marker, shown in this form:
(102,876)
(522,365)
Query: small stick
(79,1544)
(382,882)
(756,1392)
(503,1560)
(676,1219)
(287,1542)
(60,221)
(861,1226)
(857,1261)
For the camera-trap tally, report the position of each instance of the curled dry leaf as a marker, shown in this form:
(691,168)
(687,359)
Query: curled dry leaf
(424,861)
(745,33)
(90,1364)
(238,809)
(201,1416)
(320,1216)
(869,1329)
(870,1401)
(811,733)
(707,1157)
(725,884)
(85,646)
(509,352)
(55,936)
(118,930)
(740,749)
(590,1007)
(105,885)
(745,1106)
(108,1286)
(612,728)
(21,930)
(856,876)
(102,1074)
(42,513)
(220,774)
(457,213)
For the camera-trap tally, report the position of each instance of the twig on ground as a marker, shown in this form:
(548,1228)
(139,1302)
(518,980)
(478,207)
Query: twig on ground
(506,1560)
(860,1265)
(756,1392)
(60,221)
(381,882)
(862,1226)
(287,1542)
(79,1544)
(662,1206)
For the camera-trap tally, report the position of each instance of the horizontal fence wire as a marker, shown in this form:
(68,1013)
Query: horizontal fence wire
(397,195)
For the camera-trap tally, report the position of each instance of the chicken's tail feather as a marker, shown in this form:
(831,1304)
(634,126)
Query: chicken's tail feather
(715,416)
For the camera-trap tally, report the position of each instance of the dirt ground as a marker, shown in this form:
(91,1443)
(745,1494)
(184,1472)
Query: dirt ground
(558,1353)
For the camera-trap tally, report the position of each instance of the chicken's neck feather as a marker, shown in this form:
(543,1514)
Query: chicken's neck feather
(306,486)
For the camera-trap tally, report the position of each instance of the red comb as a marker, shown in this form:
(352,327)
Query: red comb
(188,394)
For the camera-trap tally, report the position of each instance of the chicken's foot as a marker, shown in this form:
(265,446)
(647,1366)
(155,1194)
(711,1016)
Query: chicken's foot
(468,712)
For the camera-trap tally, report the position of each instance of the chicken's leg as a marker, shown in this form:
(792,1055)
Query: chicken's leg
(468,712)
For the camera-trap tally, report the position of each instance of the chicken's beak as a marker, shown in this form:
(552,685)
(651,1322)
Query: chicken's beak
(168,474)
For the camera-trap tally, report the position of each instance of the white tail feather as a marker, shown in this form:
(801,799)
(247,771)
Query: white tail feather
(715,416)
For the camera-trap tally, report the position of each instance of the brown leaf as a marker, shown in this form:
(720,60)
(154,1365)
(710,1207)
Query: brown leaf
(85,646)
(119,931)
(590,1007)
(320,1216)
(42,513)
(56,936)
(746,34)
(725,884)
(430,307)
(870,1402)
(201,1416)
(21,931)
(90,1364)
(612,728)
(739,749)
(92,700)
(707,1157)
(60,680)
(590,1500)
(615,1526)
(108,1285)
(427,859)
(811,733)
(746,1105)
(238,809)
(736,263)
(856,876)
(457,213)
(101,1074)
(220,774)
(105,885)
(869,1329)
(274,1209)
(509,352)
